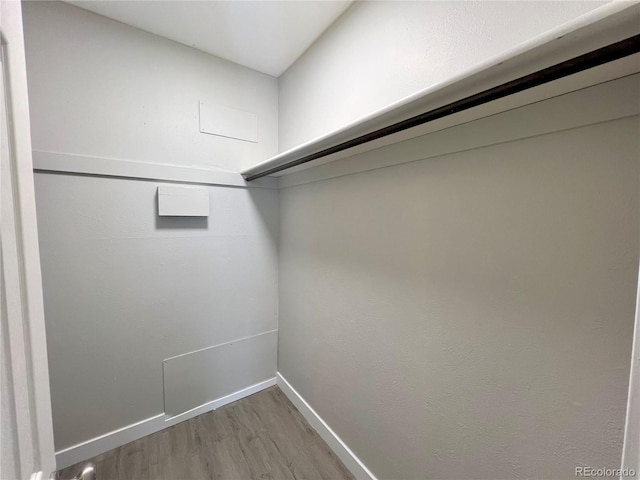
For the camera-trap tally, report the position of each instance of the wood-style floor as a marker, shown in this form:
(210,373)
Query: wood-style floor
(259,437)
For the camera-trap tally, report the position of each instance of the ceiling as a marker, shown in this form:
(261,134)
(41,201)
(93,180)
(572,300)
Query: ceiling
(267,36)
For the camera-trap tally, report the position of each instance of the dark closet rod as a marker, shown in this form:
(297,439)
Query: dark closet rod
(603,55)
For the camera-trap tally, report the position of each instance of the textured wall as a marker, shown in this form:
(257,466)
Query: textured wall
(471,315)
(379,52)
(100,88)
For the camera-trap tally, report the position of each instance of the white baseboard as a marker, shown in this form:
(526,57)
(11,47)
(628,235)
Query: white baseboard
(95,446)
(103,443)
(344,453)
(108,441)
(219,402)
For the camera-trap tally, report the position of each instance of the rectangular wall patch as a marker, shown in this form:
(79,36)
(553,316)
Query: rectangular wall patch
(228,122)
(199,377)
(183,201)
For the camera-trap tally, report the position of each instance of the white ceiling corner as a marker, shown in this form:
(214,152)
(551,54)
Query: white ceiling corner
(267,36)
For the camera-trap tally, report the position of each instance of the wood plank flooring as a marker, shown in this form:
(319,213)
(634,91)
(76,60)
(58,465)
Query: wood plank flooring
(259,437)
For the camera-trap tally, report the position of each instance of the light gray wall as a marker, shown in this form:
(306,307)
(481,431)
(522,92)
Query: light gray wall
(125,289)
(470,315)
(378,52)
(101,88)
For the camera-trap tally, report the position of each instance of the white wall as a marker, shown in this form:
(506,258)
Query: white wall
(469,315)
(9,456)
(124,288)
(379,52)
(9,467)
(101,88)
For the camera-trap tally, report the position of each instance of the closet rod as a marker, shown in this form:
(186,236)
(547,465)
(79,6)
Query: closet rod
(609,53)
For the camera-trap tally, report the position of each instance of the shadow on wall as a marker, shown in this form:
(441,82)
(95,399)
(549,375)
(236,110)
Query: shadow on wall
(178,222)
(266,214)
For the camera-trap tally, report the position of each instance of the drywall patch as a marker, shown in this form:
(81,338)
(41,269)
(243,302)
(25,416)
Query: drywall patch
(228,122)
(195,378)
(183,201)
